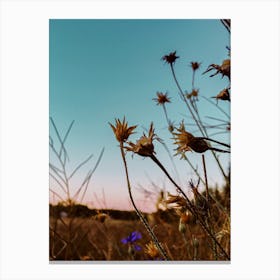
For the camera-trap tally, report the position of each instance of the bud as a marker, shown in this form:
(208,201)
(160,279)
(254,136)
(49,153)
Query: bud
(182,226)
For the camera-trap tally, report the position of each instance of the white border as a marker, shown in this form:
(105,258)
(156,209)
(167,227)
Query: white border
(24,138)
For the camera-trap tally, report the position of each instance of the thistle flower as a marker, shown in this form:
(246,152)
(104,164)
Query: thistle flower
(121,130)
(223,69)
(183,139)
(193,93)
(195,65)
(223,95)
(200,201)
(101,217)
(176,199)
(162,98)
(170,58)
(185,217)
(187,142)
(152,251)
(144,146)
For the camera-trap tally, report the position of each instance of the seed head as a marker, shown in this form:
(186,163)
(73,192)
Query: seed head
(144,146)
(187,142)
(185,217)
(162,98)
(177,200)
(170,58)
(195,65)
(223,95)
(101,217)
(151,250)
(121,130)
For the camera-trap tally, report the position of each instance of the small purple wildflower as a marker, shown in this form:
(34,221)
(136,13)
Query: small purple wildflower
(131,239)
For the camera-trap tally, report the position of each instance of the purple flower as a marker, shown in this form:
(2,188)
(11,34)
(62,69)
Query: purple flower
(131,239)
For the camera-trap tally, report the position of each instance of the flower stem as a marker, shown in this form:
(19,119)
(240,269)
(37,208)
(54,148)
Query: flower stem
(191,208)
(199,125)
(141,217)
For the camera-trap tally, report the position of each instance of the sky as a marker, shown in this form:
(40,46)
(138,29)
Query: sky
(100,70)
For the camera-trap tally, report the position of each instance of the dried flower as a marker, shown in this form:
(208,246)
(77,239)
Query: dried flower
(195,65)
(176,199)
(223,69)
(101,217)
(200,202)
(152,250)
(193,93)
(187,142)
(170,58)
(144,146)
(223,95)
(121,130)
(185,217)
(162,98)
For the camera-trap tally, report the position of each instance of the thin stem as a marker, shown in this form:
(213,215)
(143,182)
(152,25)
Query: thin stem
(209,208)
(202,129)
(191,208)
(150,231)
(165,113)
(184,99)
(218,107)
(212,140)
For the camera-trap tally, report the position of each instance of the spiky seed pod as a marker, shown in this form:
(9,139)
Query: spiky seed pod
(144,146)
(162,98)
(170,58)
(121,130)
(223,95)
(151,250)
(195,65)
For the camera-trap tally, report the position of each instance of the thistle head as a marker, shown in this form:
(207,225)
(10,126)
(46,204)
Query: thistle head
(182,139)
(195,65)
(187,142)
(151,250)
(170,58)
(144,146)
(162,98)
(223,95)
(121,130)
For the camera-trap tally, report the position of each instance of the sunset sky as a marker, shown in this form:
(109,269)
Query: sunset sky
(105,69)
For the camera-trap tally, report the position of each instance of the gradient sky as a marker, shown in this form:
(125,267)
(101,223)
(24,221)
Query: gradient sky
(106,69)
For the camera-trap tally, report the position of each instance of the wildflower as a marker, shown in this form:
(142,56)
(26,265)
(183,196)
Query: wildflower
(223,69)
(185,217)
(152,251)
(101,217)
(121,130)
(162,98)
(223,95)
(175,199)
(200,201)
(171,126)
(144,146)
(195,65)
(187,142)
(193,93)
(131,241)
(170,58)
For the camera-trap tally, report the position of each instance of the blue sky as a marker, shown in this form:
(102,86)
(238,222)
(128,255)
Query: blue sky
(106,69)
